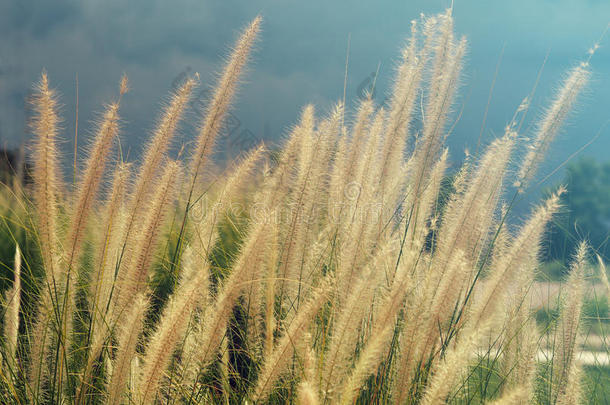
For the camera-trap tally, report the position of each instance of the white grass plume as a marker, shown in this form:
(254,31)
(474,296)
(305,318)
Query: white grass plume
(209,332)
(552,121)
(127,339)
(382,329)
(163,134)
(11,316)
(191,290)
(136,270)
(307,392)
(275,364)
(47,185)
(222,98)
(568,327)
(448,370)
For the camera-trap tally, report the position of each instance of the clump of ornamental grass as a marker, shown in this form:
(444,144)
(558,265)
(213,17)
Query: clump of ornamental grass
(351,272)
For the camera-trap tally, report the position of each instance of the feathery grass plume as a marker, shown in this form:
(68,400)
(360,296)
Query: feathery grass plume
(156,151)
(520,345)
(313,155)
(134,372)
(205,230)
(305,135)
(320,254)
(148,173)
(441,298)
(521,258)
(404,93)
(134,278)
(270,288)
(461,237)
(315,188)
(568,326)
(163,134)
(92,175)
(171,327)
(39,342)
(338,166)
(350,313)
(86,193)
(106,254)
(345,334)
(347,156)
(424,205)
(11,315)
(101,310)
(280,357)
(384,324)
(307,393)
(402,104)
(278,181)
(47,185)
(552,121)
(415,308)
(446,372)
(209,332)
(571,393)
(443,83)
(521,337)
(348,188)
(127,340)
(347,159)
(357,232)
(502,238)
(517,396)
(468,217)
(224,370)
(222,99)
(410,345)
(123,85)
(368,169)
(358,134)
(253,294)
(46,173)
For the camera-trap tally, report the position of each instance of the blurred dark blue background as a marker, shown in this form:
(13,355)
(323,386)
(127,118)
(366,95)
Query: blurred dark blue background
(300,59)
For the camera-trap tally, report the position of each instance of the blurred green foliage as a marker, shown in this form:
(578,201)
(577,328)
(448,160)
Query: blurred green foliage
(586,211)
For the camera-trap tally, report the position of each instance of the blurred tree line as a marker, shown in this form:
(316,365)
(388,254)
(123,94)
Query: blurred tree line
(585,214)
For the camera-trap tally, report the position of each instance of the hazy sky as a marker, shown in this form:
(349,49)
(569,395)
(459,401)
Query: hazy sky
(299,59)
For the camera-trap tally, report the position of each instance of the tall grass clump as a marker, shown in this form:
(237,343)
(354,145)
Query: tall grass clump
(343,267)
